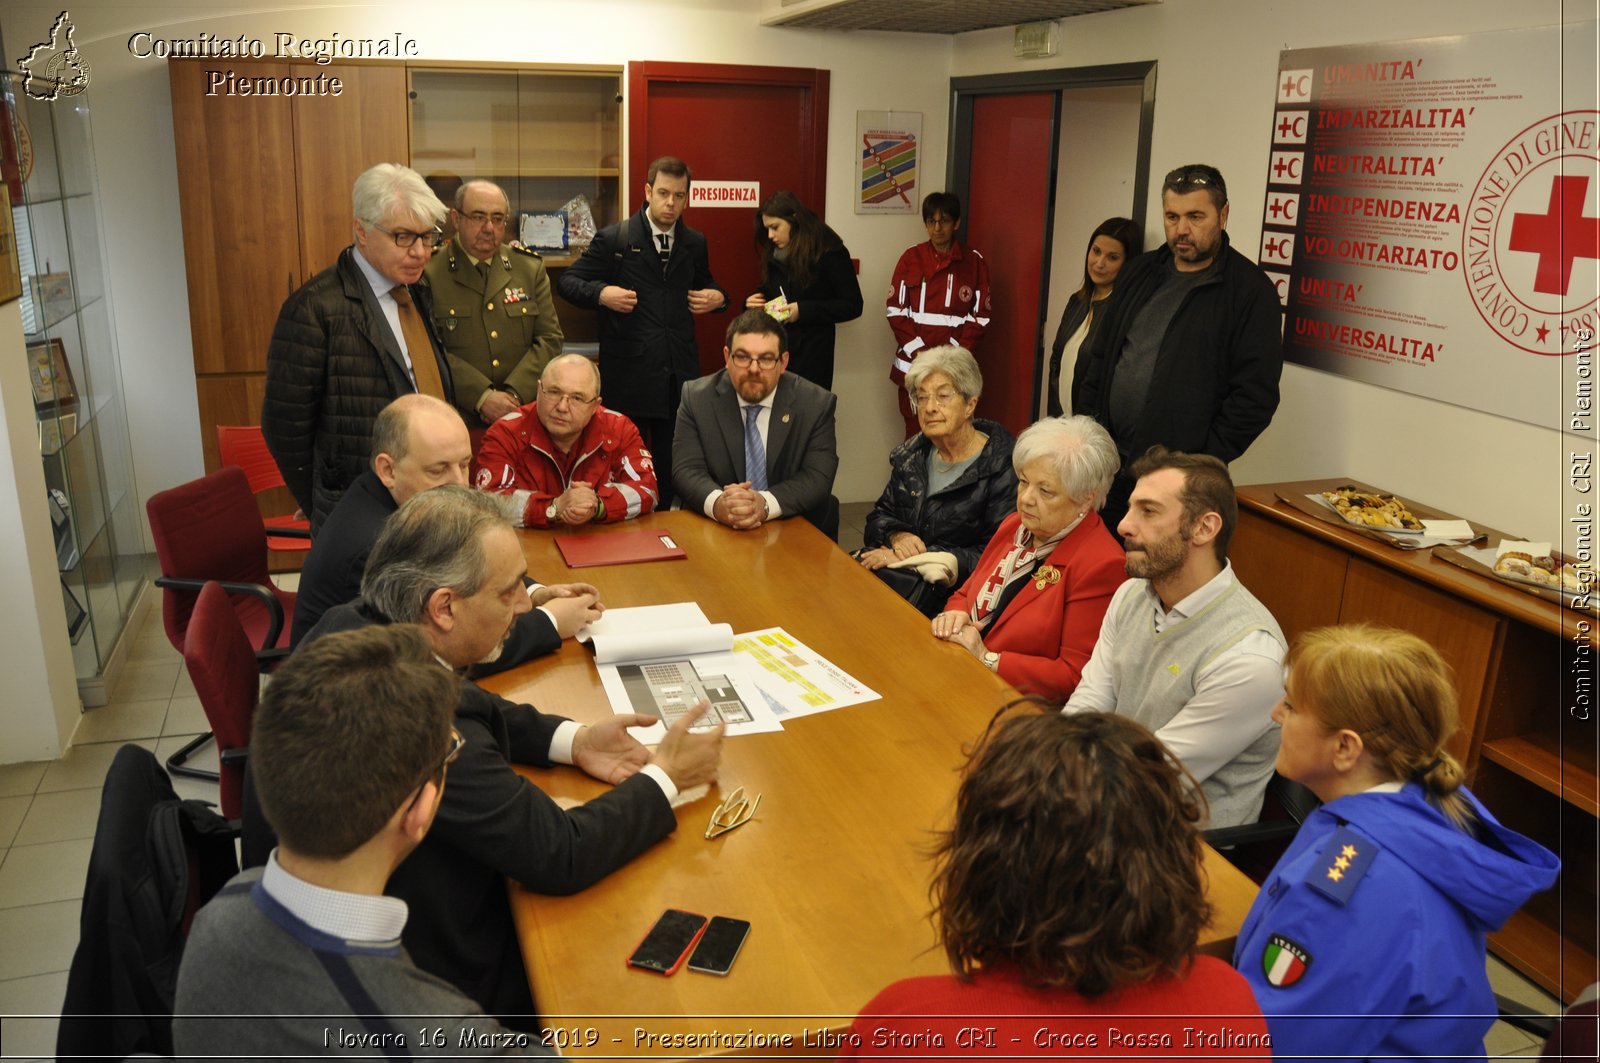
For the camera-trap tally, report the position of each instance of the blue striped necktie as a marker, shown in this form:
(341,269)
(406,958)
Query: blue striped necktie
(755,454)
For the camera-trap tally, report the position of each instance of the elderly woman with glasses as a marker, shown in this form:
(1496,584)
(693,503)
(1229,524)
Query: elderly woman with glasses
(949,486)
(1069,899)
(1032,607)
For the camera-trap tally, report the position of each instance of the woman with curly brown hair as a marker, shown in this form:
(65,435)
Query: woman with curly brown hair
(1069,895)
(1367,939)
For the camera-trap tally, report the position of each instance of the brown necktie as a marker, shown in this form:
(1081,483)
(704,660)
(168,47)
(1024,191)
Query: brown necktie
(423,365)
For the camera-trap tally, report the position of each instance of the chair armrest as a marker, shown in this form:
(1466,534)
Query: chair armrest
(235,756)
(1250,833)
(287,531)
(267,598)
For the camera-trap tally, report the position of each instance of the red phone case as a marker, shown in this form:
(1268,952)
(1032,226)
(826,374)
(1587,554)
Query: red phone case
(684,955)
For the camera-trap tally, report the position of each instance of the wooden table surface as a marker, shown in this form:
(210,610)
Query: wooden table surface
(832,872)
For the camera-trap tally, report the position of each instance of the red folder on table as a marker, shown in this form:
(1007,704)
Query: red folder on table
(618,548)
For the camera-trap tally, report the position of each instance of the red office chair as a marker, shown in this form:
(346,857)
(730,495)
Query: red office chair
(244,446)
(223,668)
(210,529)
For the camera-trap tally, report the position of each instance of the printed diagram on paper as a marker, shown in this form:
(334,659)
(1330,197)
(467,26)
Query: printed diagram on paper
(669,689)
(795,679)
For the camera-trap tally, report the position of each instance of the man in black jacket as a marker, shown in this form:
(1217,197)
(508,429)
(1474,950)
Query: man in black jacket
(646,277)
(352,339)
(1188,349)
(449,561)
(418,443)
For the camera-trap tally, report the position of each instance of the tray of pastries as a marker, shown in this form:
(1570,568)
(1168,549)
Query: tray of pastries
(1369,509)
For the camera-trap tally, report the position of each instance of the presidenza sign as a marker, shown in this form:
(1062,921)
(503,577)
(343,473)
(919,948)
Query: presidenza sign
(1432,219)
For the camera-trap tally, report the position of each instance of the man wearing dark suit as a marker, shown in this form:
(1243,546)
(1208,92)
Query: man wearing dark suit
(754,443)
(352,339)
(646,277)
(418,443)
(450,562)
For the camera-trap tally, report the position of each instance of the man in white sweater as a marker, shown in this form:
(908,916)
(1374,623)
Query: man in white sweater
(1184,648)
(350,748)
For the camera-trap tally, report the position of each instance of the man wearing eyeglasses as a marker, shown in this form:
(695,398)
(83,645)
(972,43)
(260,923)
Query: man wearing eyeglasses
(755,443)
(1187,351)
(351,748)
(354,338)
(491,307)
(566,459)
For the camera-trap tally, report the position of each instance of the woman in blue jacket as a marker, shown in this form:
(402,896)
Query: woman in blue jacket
(1367,940)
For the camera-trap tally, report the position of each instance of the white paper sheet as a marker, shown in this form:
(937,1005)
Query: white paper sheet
(797,680)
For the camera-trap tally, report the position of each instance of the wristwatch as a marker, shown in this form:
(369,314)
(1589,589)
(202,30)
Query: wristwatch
(550,511)
(991,660)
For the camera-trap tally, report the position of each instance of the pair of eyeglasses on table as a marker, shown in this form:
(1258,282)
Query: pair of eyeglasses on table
(734,811)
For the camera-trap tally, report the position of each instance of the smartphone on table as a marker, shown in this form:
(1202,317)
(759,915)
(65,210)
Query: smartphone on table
(665,946)
(719,945)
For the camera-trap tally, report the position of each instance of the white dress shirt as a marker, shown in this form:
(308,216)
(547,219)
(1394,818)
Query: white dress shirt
(1233,692)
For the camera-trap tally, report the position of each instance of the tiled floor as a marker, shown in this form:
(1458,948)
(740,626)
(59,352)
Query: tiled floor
(47,819)
(48,812)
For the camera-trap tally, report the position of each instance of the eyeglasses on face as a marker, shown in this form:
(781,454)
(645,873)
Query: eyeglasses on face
(450,757)
(734,811)
(555,397)
(942,397)
(478,217)
(405,238)
(742,360)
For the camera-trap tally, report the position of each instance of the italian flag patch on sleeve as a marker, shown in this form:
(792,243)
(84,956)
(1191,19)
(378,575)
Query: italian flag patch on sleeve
(1283,962)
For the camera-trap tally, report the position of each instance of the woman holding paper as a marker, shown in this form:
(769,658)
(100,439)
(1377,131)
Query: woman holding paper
(807,282)
(1032,607)
(949,486)
(1069,899)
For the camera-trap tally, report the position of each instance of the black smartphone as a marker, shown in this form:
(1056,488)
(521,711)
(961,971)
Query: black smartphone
(665,945)
(719,945)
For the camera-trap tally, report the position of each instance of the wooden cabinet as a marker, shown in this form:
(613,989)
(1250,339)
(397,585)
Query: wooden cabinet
(1528,758)
(543,133)
(264,185)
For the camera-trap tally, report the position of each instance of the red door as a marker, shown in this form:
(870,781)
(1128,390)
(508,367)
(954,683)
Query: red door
(760,124)
(1007,204)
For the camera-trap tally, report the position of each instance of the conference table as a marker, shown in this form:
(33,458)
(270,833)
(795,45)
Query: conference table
(832,872)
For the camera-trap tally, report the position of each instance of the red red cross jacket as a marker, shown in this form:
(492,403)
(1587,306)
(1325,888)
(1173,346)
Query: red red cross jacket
(935,300)
(518,459)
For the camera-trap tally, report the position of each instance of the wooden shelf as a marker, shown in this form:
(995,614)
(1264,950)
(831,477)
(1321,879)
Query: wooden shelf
(1568,773)
(1561,967)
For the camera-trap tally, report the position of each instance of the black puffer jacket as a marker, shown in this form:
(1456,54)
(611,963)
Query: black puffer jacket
(332,366)
(960,519)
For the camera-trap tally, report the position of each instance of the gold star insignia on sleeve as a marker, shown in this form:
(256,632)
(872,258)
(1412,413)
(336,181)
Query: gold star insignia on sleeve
(1348,852)
(1341,863)
(1335,873)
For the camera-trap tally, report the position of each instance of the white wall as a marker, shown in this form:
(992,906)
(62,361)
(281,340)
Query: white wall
(132,117)
(1217,61)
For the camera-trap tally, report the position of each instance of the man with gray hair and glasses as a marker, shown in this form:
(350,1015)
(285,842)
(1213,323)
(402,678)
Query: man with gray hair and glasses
(352,339)
(449,561)
(1187,351)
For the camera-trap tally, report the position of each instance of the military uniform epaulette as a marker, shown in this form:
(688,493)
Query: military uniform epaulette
(1344,862)
(530,252)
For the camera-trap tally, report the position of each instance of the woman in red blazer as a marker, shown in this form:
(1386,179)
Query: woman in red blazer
(1031,609)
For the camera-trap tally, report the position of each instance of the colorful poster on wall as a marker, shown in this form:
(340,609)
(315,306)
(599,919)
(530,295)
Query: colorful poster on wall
(888,144)
(1432,217)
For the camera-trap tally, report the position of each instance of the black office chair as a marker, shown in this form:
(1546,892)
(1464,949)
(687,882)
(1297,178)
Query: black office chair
(155,860)
(1254,848)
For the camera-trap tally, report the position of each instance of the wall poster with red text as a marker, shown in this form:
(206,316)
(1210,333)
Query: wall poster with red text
(1432,218)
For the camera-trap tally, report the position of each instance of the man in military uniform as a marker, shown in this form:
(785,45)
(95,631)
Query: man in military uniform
(492,309)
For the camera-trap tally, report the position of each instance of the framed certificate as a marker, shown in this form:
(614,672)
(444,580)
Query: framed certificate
(51,376)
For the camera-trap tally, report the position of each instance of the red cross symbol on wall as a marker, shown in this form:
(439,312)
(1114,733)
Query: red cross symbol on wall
(1559,235)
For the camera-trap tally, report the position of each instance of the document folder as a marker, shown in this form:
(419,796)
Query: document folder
(618,548)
